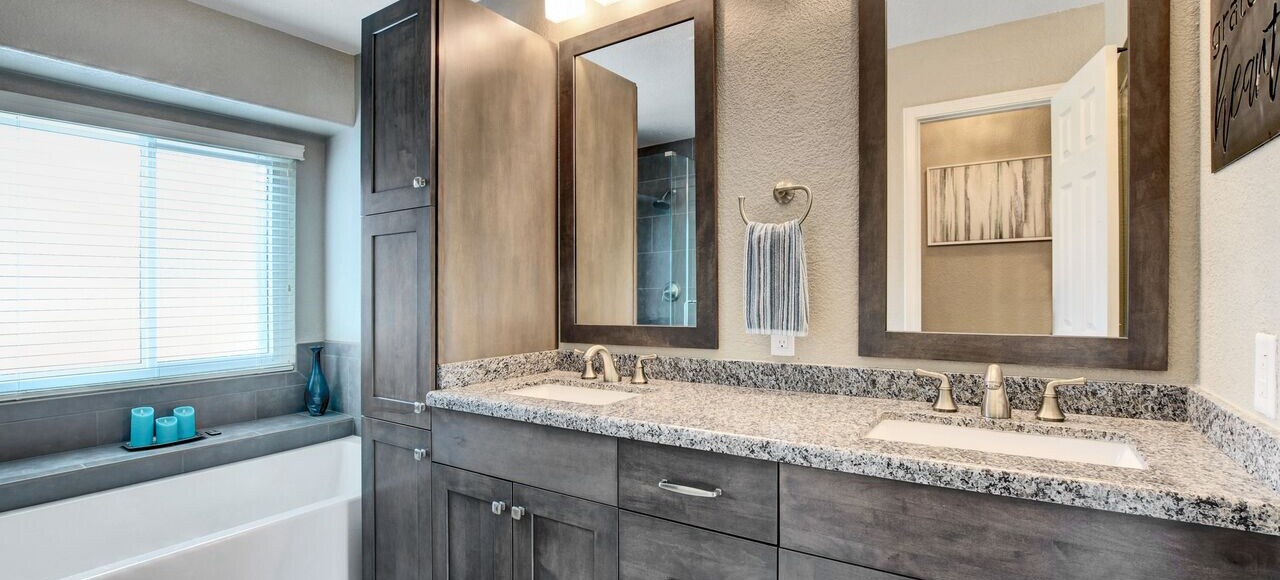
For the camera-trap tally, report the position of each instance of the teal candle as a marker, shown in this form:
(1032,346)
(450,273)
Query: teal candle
(142,426)
(166,430)
(186,422)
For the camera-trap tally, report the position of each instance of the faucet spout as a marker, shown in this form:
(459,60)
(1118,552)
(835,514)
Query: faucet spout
(606,363)
(995,400)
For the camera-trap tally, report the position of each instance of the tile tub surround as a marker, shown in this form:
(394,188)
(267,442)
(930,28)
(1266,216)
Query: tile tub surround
(37,480)
(1106,398)
(1253,445)
(1188,479)
(57,423)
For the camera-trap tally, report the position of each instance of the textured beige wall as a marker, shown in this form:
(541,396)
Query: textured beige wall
(178,43)
(788,110)
(956,289)
(1239,256)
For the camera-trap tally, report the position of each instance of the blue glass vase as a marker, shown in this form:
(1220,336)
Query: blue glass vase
(317,396)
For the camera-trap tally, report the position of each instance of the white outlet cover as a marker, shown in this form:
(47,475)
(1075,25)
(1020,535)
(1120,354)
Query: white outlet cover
(1264,375)
(780,345)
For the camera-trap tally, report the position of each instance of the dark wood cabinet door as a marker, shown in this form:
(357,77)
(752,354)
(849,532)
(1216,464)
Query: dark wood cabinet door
(398,365)
(396,112)
(654,549)
(472,525)
(558,537)
(396,502)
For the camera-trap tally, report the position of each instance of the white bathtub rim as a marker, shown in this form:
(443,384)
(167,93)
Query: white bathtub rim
(214,536)
(211,538)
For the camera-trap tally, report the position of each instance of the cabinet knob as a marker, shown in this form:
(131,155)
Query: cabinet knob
(418,454)
(419,407)
(498,507)
(419,182)
(517,512)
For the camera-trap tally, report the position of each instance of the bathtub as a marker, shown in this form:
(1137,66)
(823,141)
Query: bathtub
(291,515)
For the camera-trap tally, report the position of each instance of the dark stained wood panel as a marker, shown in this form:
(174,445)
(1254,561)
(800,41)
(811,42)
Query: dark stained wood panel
(797,566)
(470,542)
(564,538)
(396,502)
(572,462)
(748,506)
(946,534)
(398,315)
(654,549)
(397,96)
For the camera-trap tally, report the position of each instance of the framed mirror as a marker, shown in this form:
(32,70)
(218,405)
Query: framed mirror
(638,181)
(1014,181)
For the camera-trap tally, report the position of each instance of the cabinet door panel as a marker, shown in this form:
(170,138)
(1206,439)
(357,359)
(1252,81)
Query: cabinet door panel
(797,566)
(564,538)
(396,93)
(471,542)
(396,502)
(654,549)
(398,363)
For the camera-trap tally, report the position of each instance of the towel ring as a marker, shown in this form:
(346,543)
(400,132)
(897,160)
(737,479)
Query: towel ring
(784,193)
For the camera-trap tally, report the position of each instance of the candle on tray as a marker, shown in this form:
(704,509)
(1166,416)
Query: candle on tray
(142,426)
(166,430)
(186,422)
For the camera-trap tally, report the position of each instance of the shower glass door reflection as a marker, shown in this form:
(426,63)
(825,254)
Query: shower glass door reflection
(666,257)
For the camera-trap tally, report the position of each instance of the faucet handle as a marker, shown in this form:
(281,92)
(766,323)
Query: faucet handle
(637,377)
(1049,408)
(588,371)
(944,403)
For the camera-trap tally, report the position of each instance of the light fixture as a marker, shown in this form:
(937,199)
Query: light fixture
(561,10)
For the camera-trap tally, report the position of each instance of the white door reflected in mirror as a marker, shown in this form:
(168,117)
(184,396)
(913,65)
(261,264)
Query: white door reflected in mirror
(1007,167)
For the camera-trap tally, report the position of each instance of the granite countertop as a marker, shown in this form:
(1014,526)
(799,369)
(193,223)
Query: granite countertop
(1187,479)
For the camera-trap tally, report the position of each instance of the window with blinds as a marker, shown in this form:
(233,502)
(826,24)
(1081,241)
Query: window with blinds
(128,257)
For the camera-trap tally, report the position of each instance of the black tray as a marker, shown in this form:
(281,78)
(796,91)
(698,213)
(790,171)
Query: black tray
(198,436)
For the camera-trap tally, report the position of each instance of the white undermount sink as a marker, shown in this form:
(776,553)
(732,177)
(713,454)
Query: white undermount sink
(568,394)
(1112,453)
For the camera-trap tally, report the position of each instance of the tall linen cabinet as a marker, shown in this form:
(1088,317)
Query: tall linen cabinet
(458,110)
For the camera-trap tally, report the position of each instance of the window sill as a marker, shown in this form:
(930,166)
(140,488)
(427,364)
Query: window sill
(37,480)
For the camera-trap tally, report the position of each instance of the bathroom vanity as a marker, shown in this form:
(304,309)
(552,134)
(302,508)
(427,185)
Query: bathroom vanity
(709,481)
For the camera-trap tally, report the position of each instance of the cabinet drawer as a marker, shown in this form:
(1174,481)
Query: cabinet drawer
(746,506)
(654,549)
(570,462)
(797,566)
(937,533)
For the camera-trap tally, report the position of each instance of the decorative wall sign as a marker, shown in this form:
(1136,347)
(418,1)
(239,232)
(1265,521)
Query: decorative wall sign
(997,201)
(1245,64)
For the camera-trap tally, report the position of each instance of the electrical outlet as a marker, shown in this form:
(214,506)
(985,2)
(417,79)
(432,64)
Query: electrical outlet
(780,345)
(1264,375)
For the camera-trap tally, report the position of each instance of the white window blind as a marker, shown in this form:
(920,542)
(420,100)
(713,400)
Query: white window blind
(129,257)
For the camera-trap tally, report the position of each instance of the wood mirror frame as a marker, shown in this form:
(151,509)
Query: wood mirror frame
(1146,343)
(706,333)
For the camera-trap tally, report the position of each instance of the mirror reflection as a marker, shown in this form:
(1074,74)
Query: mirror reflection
(1007,166)
(635,191)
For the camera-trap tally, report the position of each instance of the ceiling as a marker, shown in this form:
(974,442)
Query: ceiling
(913,21)
(660,63)
(331,23)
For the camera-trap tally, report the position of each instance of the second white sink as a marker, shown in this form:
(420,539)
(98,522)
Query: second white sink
(567,394)
(1112,453)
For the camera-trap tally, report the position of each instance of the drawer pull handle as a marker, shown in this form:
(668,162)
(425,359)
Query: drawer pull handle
(498,507)
(419,454)
(517,513)
(419,182)
(692,491)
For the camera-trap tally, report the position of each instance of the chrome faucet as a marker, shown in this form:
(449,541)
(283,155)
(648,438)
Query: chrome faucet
(995,401)
(606,363)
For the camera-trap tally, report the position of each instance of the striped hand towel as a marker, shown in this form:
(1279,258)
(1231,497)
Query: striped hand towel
(776,284)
